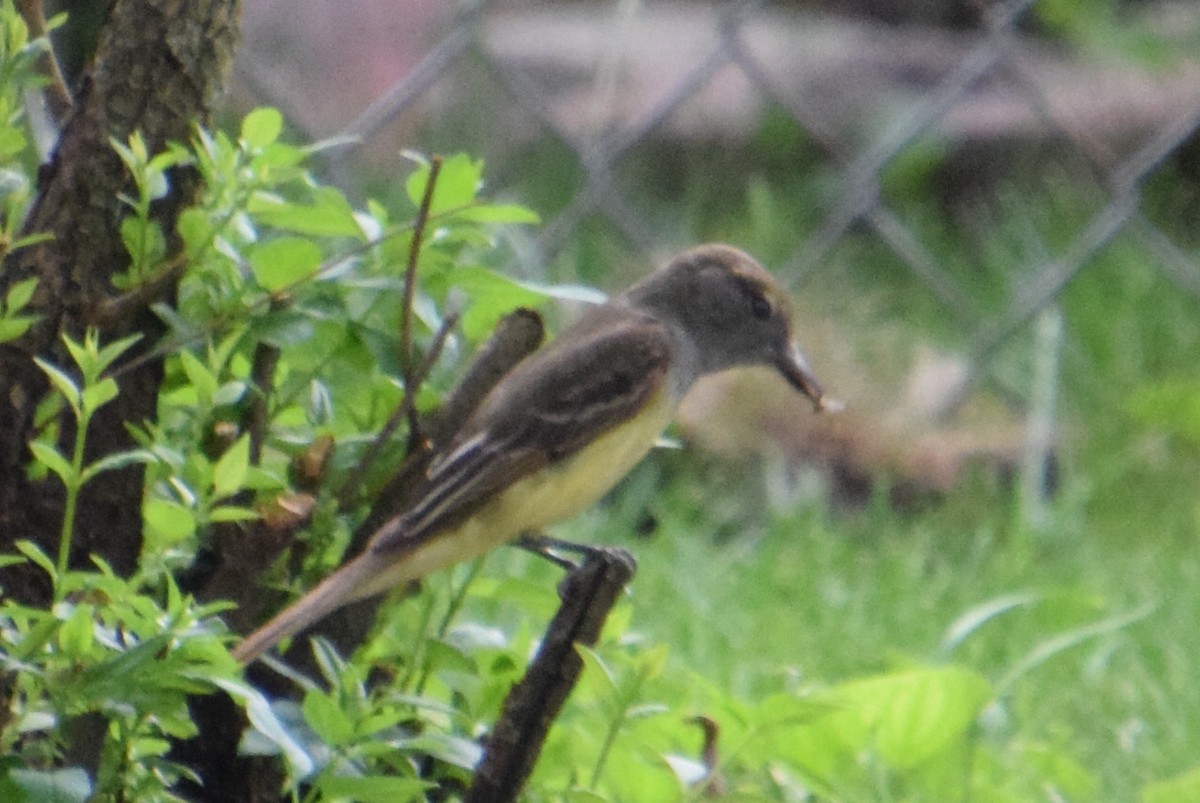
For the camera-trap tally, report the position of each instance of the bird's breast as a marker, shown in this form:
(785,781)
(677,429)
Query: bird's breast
(570,486)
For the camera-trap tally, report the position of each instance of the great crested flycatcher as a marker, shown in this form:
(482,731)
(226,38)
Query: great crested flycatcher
(569,421)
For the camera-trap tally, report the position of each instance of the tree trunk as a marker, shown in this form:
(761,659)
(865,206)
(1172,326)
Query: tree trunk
(158,67)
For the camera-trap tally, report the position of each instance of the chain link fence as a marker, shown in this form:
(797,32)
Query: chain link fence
(602,80)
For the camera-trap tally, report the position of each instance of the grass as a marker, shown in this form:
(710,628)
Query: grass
(1093,655)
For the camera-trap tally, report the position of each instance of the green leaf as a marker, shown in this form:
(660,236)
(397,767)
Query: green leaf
(199,376)
(83,353)
(170,521)
(196,230)
(12,327)
(144,242)
(326,717)
(76,636)
(458,181)
(261,127)
(173,156)
(96,396)
(454,750)
(263,719)
(20,294)
(567,292)
(35,554)
(156,184)
(499,213)
(64,383)
(277,158)
(231,392)
(331,664)
(329,215)
(30,239)
(492,296)
(233,513)
(69,785)
(12,141)
(599,675)
(109,354)
(285,327)
(229,474)
(372,788)
(917,713)
(116,461)
(1182,788)
(278,264)
(578,795)
(52,459)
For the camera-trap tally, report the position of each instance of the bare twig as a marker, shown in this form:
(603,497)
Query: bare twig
(107,311)
(588,595)
(58,97)
(258,413)
(410,287)
(405,411)
(712,784)
(517,336)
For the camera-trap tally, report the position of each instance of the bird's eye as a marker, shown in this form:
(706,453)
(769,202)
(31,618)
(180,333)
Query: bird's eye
(760,307)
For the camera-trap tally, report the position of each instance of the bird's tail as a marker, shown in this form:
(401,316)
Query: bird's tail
(333,592)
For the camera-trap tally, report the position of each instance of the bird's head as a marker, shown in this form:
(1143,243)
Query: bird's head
(730,312)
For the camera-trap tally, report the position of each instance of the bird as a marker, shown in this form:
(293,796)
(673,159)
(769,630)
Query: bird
(568,422)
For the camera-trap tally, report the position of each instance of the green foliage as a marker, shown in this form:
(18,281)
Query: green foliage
(18,59)
(142,236)
(83,399)
(272,259)
(18,70)
(109,655)
(12,323)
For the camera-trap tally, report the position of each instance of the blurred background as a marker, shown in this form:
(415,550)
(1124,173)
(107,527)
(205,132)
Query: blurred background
(986,209)
(987,213)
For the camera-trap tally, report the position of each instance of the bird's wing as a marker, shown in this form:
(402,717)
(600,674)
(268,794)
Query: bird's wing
(550,406)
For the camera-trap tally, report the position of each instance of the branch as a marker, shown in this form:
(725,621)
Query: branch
(588,595)
(406,410)
(58,97)
(410,288)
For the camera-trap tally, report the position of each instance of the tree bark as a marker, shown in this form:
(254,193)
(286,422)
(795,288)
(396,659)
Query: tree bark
(158,67)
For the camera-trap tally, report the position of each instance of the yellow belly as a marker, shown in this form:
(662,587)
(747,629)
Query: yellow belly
(555,493)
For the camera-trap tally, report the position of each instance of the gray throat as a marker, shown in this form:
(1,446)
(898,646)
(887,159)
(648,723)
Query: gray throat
(686,362)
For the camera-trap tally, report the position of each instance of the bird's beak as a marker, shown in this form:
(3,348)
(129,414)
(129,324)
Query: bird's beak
(795,369)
